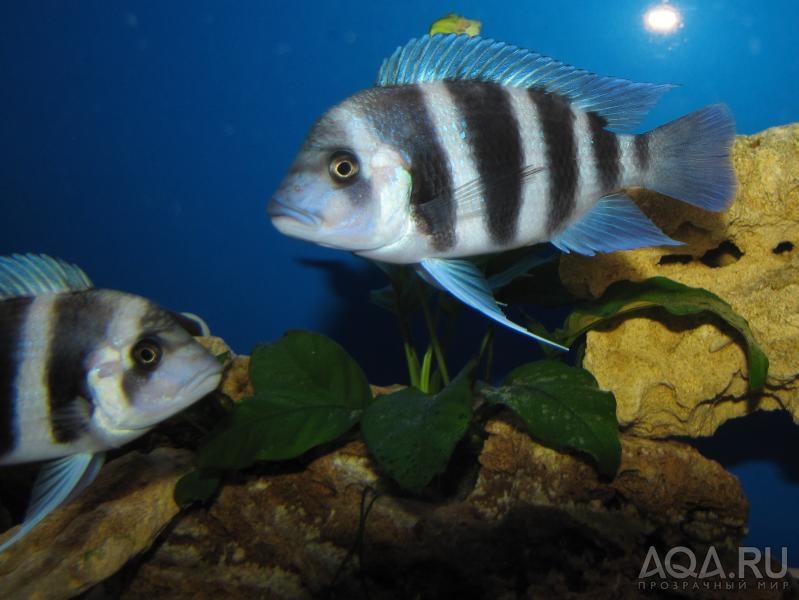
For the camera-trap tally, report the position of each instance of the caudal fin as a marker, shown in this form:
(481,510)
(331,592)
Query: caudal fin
(690,158)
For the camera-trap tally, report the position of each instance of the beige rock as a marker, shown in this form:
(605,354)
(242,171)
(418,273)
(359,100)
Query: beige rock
(236,381)
(236,378)
(670,376)
(89,539)
(533,522)
(215,345)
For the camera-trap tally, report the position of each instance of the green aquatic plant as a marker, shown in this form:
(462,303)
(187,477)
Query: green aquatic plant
(626,297)
(309,391)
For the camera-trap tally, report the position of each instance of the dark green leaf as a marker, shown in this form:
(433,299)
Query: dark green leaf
(224,357)
(309,391)
(312,363)
(195,487)
(282,425)
(552,371)
(563,408)
(412,435)
(678,299)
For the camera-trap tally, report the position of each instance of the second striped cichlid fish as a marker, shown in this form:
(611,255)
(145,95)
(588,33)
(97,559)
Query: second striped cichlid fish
(83,371)
(469,146)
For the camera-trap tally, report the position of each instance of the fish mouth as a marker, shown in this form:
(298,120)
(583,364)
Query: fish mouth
(278,209)
(203,385)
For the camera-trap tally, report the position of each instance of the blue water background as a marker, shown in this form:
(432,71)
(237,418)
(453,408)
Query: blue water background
(142,140)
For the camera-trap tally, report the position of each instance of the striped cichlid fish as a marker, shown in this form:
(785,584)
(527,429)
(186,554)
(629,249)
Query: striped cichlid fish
(468,146)
(83,371)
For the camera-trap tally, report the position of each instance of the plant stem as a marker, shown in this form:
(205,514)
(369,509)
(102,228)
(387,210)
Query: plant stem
(442,366)
(413,363)
(424,378)
(407,340)
(487,349)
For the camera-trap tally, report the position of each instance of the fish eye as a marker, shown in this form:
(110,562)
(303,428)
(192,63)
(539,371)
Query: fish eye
(343,167)
(147,353)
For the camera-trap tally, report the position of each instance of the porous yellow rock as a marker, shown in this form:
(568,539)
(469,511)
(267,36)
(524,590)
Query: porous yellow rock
(670,376)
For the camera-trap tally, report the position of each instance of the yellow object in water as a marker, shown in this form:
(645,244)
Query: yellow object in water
(453,23)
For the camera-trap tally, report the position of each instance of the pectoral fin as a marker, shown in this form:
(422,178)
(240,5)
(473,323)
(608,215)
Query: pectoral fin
(464,280)
(58,482)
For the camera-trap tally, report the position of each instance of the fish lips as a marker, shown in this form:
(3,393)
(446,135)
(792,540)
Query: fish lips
(279,209)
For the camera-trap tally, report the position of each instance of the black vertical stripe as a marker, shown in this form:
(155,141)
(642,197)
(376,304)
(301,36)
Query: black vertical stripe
(13,315)
(80,320)
(400,117)
(641,144)
(557,122)
(492,133)
(606,152)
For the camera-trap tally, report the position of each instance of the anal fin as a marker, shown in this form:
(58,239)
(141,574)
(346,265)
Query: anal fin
(613,223)
(463,279)
(58,482)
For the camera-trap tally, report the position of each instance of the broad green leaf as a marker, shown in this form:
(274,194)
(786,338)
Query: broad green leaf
(563,408)
(553,371)
(308,391)
(626,296)
(310,362)
(195,486)
(412,435)
(281,425)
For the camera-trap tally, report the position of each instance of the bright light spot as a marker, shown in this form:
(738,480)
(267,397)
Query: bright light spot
(663,18)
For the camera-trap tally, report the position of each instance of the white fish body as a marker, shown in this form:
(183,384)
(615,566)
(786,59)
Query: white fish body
(468,146)
(82,371)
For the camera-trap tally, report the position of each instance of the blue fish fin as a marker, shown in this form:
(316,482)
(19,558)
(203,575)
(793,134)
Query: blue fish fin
(58,482)
(34,274)
(463,279)
(621,102)
(532,258)
(613,223)
(693,162)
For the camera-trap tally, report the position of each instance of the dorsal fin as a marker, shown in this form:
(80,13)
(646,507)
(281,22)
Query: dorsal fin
(34,274)
(621,102)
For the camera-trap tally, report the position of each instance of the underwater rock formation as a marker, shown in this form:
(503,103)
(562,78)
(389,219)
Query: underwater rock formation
(534,521)
(91,538)
(520,520)
(670,376)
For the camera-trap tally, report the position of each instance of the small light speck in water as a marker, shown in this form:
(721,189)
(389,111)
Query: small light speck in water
(663,18)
